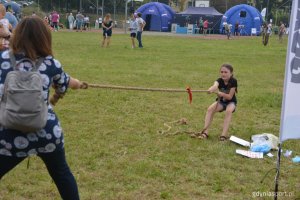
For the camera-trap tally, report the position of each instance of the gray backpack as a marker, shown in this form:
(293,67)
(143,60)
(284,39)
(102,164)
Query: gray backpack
(22,105)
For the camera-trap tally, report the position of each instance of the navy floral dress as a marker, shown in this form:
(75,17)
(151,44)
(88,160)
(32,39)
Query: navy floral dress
(48,139)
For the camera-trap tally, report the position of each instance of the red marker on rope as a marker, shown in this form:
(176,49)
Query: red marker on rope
(189,91)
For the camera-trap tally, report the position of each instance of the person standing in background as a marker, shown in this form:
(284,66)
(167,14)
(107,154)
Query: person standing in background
(107,25)
(200,25)
(236,29)
(79,21)
(270,28)
(55,20)
(133,29)
(205,27)
(140,29)
(11,18)
(281,31)
(100,22)
(86,22)
(71,20)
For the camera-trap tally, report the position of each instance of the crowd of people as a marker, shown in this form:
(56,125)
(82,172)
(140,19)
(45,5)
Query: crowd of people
(82,22)
(136,28)
(203,26)
(267,29)
(79,21)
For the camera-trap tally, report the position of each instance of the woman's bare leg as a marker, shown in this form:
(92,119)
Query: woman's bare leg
(103,41)
(107,41)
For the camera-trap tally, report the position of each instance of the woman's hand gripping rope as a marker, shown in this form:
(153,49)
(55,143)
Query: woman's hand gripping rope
(56,96)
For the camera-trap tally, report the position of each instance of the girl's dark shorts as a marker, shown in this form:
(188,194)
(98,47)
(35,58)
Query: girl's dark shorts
(133,35)
(107,33)
(225,104)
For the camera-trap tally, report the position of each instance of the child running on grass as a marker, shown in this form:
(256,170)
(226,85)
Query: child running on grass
(226,101)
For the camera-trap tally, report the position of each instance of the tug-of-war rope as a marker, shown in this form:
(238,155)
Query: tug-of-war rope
(188,89)
(168,125)
(182,121)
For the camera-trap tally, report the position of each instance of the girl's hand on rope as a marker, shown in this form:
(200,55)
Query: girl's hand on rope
(220,94)
(211,90)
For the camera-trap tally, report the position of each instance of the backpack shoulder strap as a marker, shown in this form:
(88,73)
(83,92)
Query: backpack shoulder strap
(39,62)
(12,59)
(35,65)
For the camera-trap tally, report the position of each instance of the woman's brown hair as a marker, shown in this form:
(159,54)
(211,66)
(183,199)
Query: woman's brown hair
(33,38)
(107,18)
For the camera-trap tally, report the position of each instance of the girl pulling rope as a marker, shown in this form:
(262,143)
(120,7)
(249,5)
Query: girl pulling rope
(226,101)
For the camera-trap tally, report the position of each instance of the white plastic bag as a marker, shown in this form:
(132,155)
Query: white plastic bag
(265,139)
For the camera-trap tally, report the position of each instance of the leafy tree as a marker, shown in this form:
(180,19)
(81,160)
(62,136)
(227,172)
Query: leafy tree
(274,6)
(223,5)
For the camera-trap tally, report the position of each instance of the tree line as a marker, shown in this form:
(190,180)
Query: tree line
(276,8)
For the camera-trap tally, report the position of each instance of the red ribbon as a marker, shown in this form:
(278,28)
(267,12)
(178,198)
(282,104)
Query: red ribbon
(189,91)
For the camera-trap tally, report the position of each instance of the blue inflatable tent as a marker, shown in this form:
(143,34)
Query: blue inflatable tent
(158,16)
(247,16)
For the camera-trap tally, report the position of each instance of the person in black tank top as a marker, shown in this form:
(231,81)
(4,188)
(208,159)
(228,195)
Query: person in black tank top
(107,25)
(226,89)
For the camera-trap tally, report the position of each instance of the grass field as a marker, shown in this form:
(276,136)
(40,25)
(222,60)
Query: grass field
(111,136)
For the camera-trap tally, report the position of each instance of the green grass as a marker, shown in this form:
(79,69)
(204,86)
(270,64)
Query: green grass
(112,140)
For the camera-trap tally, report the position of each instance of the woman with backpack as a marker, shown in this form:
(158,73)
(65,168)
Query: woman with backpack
(31,43)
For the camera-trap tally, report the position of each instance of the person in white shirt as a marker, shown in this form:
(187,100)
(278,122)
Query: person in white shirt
(270,28)
(133,29)
(86,22)
(71,20)
(140,29)
(100,22)
(223,27)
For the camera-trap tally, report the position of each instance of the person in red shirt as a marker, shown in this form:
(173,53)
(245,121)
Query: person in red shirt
(55,20)
(205,26)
